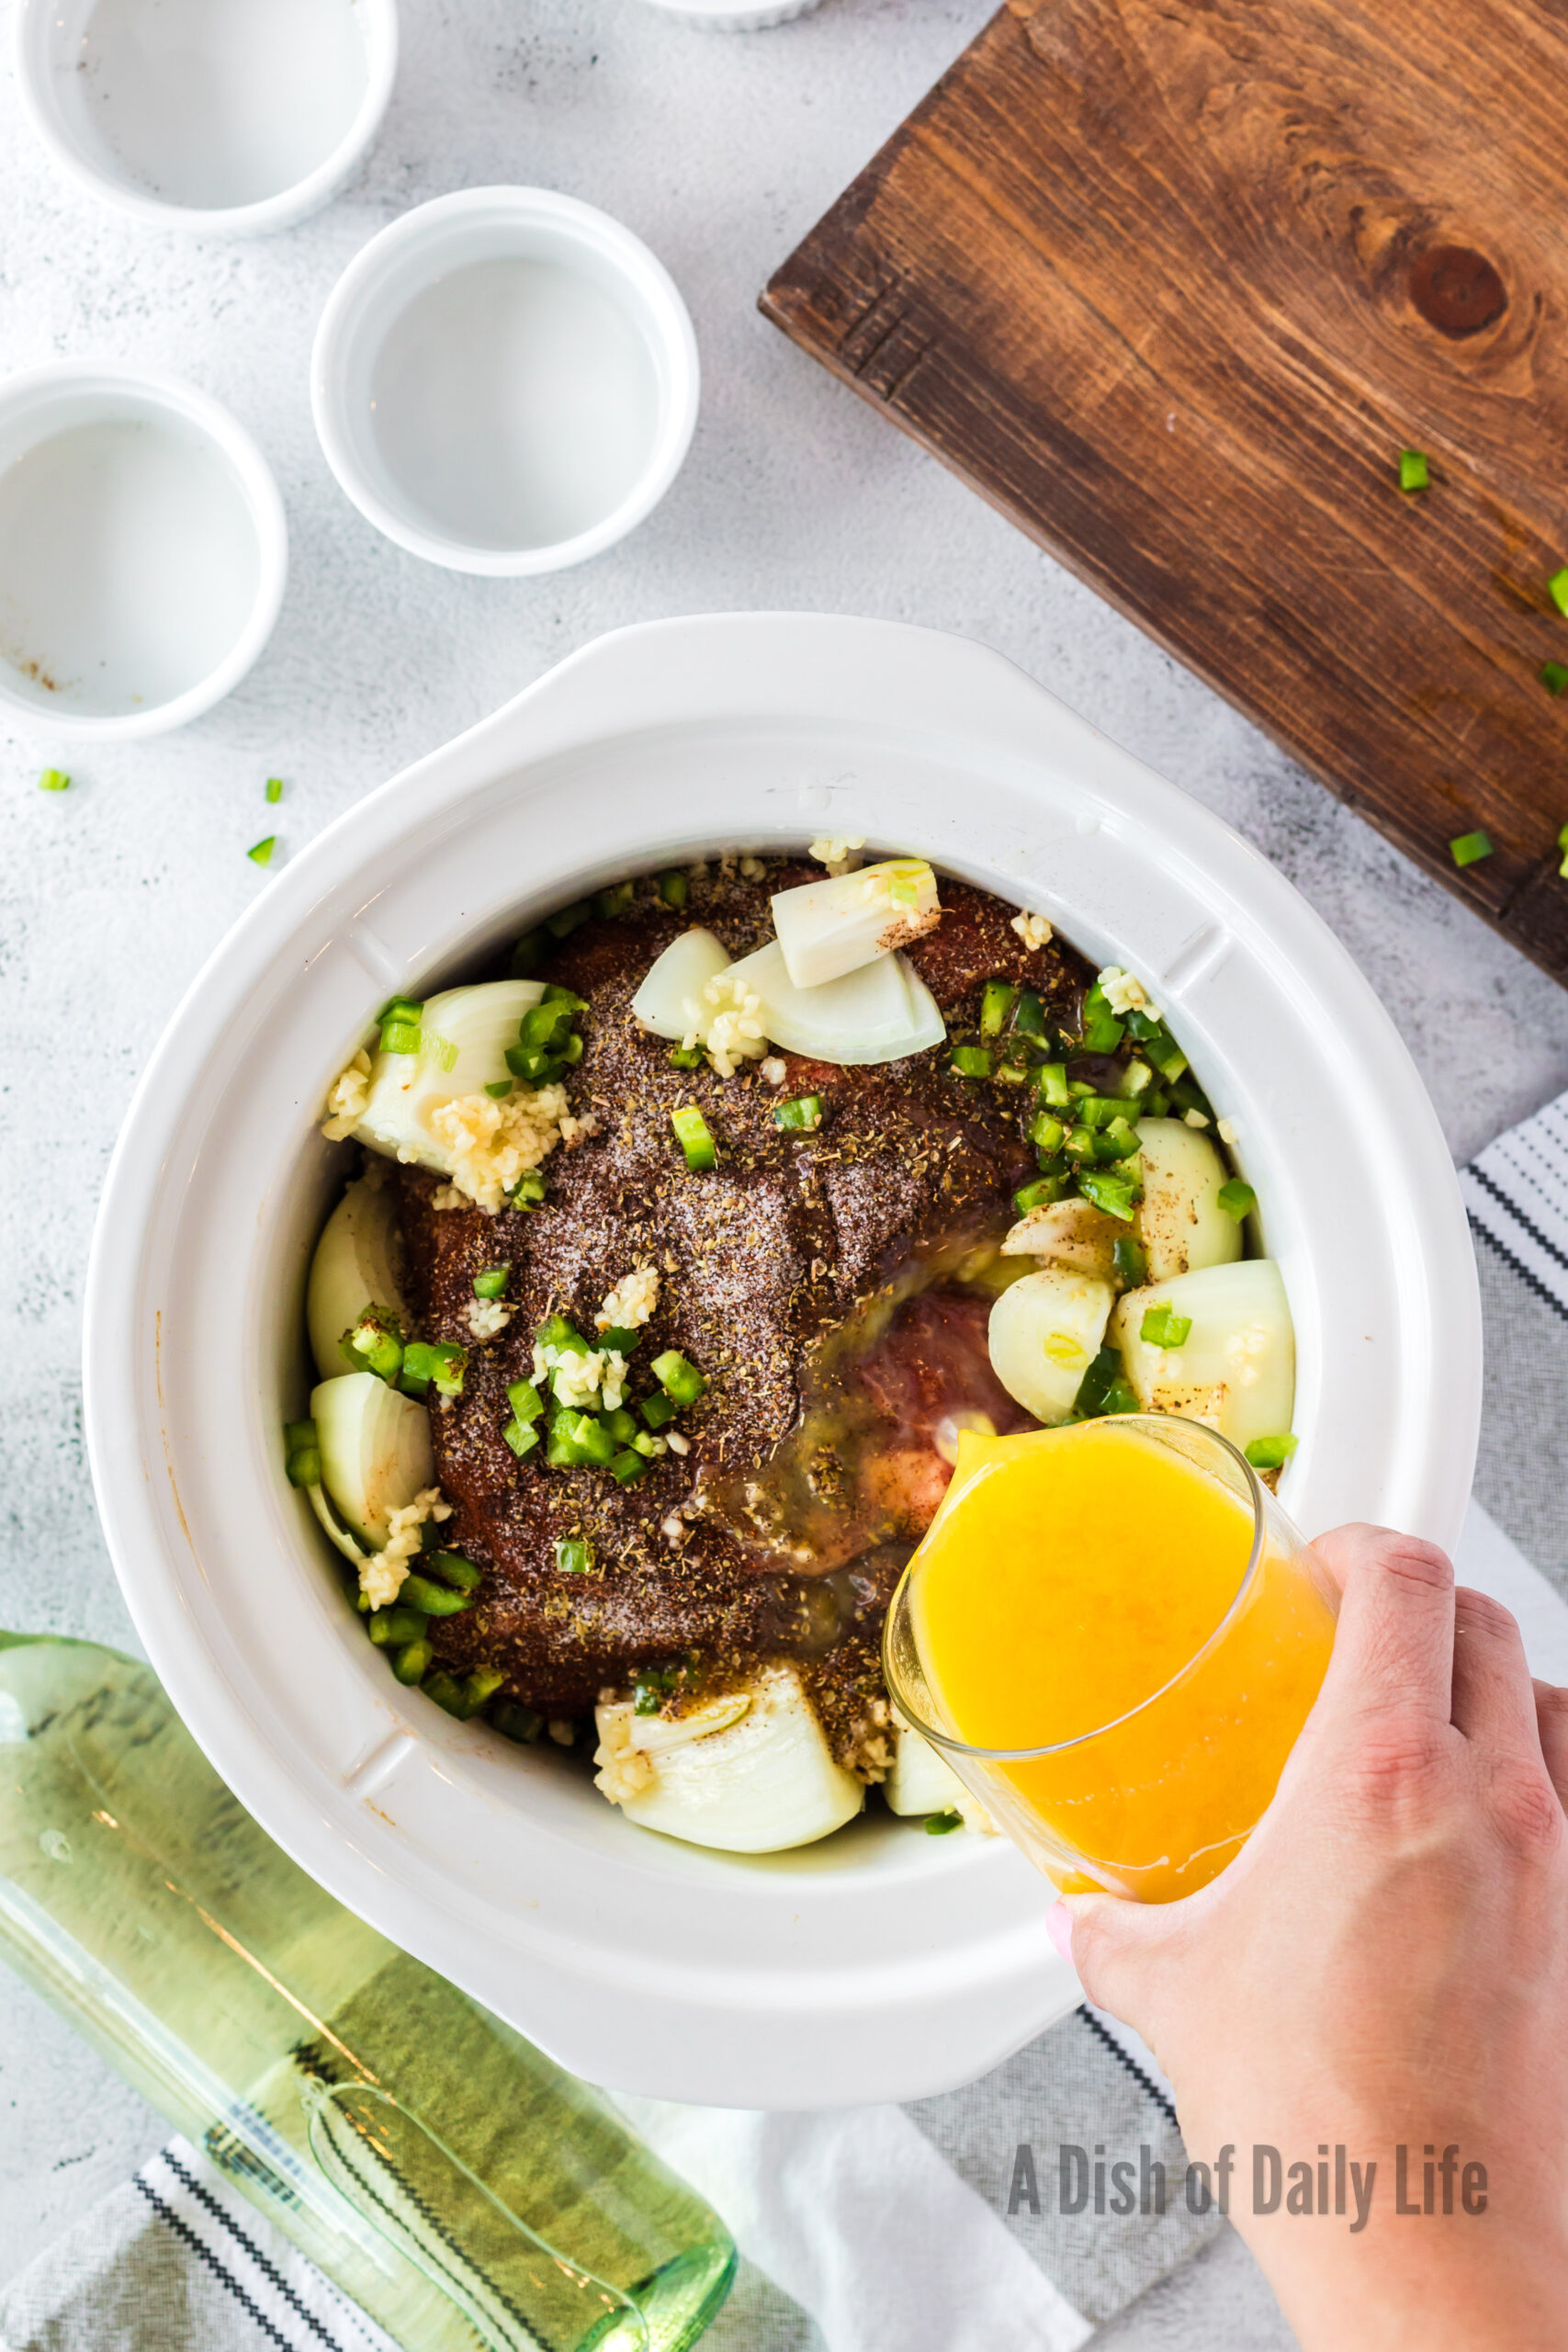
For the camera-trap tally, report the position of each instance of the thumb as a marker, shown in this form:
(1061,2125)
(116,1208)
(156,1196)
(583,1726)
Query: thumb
(1117,1947)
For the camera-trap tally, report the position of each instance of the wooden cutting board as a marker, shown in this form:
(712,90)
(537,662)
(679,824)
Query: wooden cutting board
(1172,282)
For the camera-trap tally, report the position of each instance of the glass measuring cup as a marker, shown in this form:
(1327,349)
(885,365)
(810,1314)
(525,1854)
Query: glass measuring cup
(1121,1683)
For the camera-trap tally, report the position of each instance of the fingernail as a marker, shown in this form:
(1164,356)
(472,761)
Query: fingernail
(1059,1928)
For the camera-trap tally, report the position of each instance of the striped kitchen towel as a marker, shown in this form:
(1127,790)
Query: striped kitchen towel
(178,2261)
(859,2229)
(1517,1193)
(936,2227)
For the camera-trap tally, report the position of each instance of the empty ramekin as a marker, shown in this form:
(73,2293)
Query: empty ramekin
(505,381)
(231,118)
(724,17)
(142,551)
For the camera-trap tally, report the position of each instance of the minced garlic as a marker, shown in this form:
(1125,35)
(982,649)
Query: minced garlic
(623,1770)
(839,853)
(775,1069)
(488,1317)
(631,1302)
(753,869)
(492,1144)
(735,1028)
(1195,1118)
(582,1378)
(381,1577)
(575,1373)
(871,1744)
(346,1099)
(1227,1131)
(1033,929)
(1124,994)
(448,1196)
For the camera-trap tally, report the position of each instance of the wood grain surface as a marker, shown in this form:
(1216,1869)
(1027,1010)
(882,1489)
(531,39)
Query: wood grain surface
(1172,282)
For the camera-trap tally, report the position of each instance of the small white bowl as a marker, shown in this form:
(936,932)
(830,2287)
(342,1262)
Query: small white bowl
(224,117)
(722,16)
(143,551)
(505,381)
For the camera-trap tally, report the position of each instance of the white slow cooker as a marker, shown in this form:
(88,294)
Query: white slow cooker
(882,1963)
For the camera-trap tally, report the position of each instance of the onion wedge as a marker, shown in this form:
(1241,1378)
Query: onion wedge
(1179,1221)
(355,1266)
(752,1782)
(466,1031)
(879,1013)
(1044,1334)
(827,929)
(921,1779)
(670,1000)
(1236,1367)
(376,1452)
(333,1528)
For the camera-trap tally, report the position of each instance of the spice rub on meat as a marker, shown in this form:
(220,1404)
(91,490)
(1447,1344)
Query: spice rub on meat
(820,1280)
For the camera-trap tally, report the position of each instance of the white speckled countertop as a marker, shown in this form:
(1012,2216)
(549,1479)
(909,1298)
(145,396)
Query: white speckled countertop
(720,151)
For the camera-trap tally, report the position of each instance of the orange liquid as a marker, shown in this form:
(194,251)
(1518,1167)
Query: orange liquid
(1069,1575)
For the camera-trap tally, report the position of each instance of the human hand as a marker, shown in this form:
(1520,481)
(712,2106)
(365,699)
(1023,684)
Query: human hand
(1385,1965)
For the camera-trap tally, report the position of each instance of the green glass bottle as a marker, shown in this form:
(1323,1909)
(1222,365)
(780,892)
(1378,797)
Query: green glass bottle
(453,2181)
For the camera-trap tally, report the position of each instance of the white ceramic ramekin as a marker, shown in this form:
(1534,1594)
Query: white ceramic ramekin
(226,119)
(505,381)
(880,1965)
(143,551)
(722,16)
